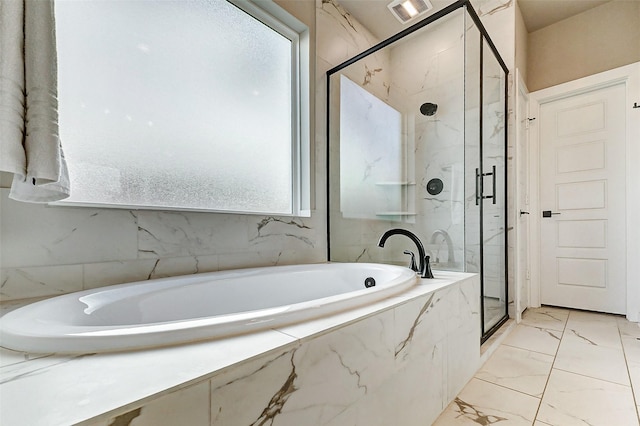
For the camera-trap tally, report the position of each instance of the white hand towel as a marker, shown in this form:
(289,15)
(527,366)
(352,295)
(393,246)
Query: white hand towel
(12,107)
(46,178)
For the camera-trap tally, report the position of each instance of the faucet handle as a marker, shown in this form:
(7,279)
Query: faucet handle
(426,273)
(412,264)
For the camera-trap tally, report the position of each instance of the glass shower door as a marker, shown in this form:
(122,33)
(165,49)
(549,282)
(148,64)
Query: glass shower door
(491,180)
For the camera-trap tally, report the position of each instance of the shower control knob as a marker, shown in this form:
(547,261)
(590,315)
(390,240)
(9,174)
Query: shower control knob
(434,186)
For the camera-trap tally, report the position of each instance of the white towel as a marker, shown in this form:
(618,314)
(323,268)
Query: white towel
(12,155)
(46,176)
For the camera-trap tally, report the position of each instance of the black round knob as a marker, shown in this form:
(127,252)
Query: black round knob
(434,186)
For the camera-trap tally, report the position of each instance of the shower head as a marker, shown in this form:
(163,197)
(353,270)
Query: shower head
(428,108)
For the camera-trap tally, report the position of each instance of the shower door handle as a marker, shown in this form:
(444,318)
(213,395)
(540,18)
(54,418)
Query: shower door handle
(493,177)
(480,185)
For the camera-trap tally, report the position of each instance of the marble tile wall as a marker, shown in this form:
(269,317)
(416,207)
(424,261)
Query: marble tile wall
(54,250)
(398,366)
(428,68)
(340,37)
(431,69)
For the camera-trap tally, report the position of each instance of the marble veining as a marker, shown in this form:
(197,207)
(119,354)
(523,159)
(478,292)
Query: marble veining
(577,334)
(412,330)
(475,415)
(40,236)
(493,8)
(362,255)
(291,225)
(126,418)
(29,282)
(345,15)
(264,222)
(277,401)
(369,74)
(72,249)
(352,372)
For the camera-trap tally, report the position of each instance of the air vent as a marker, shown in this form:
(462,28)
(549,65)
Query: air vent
(408,10)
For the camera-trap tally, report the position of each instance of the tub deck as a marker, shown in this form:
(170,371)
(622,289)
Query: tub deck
(94,388)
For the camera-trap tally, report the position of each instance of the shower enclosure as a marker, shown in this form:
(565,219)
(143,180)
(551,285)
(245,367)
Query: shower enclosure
(417,140)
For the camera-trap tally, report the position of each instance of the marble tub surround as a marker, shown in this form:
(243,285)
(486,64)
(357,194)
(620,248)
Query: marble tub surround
(557,367)
(48,251)
(363,366)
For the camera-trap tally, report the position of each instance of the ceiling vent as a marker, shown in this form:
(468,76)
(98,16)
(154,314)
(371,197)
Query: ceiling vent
(408,10)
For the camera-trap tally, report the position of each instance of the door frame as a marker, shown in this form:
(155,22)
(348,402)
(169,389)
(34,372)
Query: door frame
(522,157)
(629,75)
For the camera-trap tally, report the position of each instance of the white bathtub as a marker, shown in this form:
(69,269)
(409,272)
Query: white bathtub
(204,306)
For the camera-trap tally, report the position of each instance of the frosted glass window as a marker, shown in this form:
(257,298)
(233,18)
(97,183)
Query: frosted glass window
(371,154)
(185,104)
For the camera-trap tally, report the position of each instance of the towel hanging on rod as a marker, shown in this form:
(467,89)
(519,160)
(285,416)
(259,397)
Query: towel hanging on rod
(30,146)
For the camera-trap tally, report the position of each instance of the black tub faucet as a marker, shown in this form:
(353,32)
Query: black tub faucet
(423,269)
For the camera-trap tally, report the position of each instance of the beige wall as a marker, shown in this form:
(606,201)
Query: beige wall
(522,39)
(304,10)
(597,40)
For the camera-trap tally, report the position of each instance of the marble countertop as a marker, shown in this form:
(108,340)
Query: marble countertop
(38,389)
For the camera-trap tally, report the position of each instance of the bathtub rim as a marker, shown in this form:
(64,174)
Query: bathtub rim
(59,340)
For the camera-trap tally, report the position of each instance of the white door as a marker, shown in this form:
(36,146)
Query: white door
(582,188)
(522,197)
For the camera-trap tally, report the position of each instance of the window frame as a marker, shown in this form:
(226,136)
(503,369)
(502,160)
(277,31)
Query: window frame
(282,22)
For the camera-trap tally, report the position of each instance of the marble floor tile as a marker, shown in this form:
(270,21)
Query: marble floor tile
(546,317)
(518,369)
(628,328)
(484,403)
(630,337)
(596,336)
(572,399)
(592,317)
(587,373)
(535,339)
(631,347)
(634,376)
(601,362)
(593,328)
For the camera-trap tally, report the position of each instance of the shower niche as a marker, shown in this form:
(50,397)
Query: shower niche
(417,140)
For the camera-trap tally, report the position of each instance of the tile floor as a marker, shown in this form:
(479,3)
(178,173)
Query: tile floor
(557,367)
